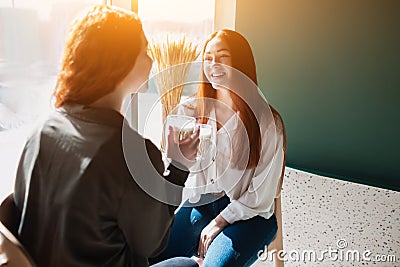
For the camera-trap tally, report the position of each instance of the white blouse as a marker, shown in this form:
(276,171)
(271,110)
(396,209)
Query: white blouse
(251,191)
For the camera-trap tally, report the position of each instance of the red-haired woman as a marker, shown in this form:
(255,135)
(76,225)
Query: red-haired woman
(229,216)
(76,190)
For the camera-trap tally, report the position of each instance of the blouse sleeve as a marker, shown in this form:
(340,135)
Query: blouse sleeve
(259,196)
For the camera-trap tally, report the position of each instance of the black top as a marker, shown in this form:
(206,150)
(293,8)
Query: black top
(80,205)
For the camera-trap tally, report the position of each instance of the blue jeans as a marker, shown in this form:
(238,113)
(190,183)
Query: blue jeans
(177,262)
(237,245)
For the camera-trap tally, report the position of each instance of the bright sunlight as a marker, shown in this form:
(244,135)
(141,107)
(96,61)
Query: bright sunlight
(176,10)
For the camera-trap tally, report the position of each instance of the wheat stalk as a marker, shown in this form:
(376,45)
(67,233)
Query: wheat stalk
(171,57)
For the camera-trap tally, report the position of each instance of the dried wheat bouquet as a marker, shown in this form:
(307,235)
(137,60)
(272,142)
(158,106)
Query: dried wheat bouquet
(171,56)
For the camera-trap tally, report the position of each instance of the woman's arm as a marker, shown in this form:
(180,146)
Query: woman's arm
(209,233)
(259,196)
(144,219)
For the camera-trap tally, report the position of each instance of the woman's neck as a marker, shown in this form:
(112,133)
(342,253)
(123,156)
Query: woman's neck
(113,101)
(224,97)
(224,108)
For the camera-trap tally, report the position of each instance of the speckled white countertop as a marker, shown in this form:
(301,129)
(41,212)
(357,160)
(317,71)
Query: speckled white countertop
(319,212)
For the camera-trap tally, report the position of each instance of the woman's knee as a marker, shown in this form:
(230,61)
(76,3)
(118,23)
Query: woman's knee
(190,221)
(239,243)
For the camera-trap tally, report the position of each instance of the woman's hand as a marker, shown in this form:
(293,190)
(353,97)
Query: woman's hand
(198,260)
(184,151)
(209,233)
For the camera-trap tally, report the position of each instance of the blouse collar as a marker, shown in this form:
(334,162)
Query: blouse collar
(96,115)
(230,125)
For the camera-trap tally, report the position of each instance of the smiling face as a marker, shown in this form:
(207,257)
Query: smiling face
(217,63)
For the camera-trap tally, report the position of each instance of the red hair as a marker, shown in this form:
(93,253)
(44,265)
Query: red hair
(246,101)
(100,50)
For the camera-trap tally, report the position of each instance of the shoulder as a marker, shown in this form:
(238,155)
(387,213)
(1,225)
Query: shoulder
(270,120)
(277,118)
(272,127)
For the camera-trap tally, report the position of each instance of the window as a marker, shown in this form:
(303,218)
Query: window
(32,35)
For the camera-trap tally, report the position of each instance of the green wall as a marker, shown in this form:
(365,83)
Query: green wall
(332,69)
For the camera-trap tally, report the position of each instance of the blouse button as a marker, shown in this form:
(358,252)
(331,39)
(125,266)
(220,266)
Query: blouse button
(212,181)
